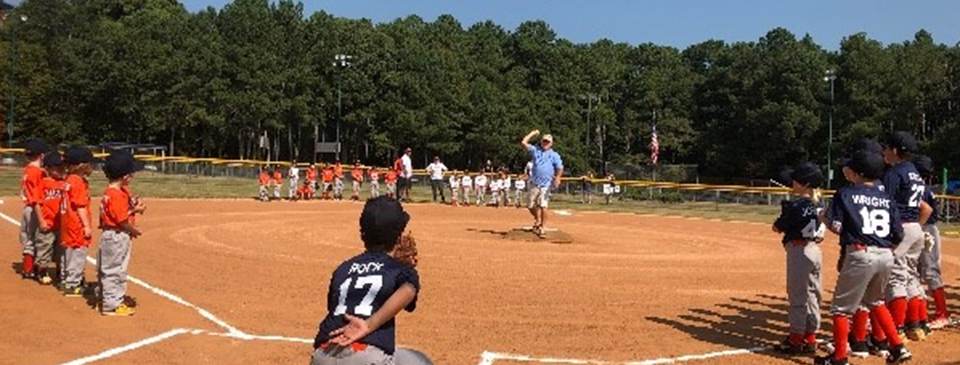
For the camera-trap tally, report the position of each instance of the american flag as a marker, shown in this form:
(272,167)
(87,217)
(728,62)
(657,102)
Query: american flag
(654,146)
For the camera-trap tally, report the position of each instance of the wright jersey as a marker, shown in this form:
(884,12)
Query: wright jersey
(359,287)
(799,221)
(864,215)
(904,185)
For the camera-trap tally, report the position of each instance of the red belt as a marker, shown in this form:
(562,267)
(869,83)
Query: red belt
(356,346)
(857,247)
(799,242)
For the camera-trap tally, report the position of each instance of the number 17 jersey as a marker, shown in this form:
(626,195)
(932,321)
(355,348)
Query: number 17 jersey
(359,287)
(864,215)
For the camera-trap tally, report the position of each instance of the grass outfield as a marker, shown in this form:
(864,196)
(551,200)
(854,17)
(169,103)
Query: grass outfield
(154,185)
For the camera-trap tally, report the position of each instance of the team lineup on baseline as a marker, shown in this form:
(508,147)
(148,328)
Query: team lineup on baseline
(879,233)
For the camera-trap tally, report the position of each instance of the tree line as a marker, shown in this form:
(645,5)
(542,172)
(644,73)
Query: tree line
(210,83)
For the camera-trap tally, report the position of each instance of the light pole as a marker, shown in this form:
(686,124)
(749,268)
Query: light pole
(13,77)
(340,60)
(831,75)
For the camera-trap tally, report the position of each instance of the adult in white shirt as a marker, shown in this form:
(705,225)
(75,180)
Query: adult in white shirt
(294,175)
(436,170)
(406,175)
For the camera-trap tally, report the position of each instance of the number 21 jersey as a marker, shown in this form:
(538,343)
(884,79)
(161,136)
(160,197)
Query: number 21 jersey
(359,287)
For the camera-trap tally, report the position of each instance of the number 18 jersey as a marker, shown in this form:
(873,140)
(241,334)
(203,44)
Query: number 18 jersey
(359,287)
(864,215)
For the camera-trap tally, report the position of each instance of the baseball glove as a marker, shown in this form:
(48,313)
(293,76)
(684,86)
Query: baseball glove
(406,250)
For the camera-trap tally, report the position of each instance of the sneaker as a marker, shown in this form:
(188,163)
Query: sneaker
(879,348)
(859,349)
(828,360)
(915,333)
(72,291)
(940,322)
(122,311)
(898,355)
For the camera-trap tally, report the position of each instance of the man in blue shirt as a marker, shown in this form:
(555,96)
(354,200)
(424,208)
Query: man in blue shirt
(545,174)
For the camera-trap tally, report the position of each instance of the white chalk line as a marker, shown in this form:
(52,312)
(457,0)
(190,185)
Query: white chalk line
(163,293)
(488,358)
(133,346)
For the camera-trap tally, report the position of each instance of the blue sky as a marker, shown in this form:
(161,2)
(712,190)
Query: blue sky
(676,23)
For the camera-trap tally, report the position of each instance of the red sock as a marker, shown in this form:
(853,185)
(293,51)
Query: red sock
(876,330)
(860,325)
(922,307)
(27,263)
(940,300)
(796,339)
(898,310)
(913,311)
(886,322)
(841,329)
(810,338)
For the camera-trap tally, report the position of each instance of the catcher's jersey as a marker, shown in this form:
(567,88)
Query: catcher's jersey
(904,185)
(864,215)
(360,286)
(799,221)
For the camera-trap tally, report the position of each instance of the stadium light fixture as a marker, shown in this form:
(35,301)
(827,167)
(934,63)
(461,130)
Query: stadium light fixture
(830,76)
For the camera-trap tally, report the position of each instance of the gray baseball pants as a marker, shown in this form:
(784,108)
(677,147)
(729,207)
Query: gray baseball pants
(930,260)
(73,261)
(862,280)
(45,243)
(372,355)
(374,189)
(112,263)
(905,279)
(28,230)
(804,285)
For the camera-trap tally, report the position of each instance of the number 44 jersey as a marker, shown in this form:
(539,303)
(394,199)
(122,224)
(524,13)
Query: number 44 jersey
(359,287)
(864,215)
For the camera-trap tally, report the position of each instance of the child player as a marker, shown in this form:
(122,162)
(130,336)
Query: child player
(338,180)
(77,223)
(802,233)
(455,188)
(48,233)
(118,210)
(264,184)
(520,185)
(867,222)
(312,178)
(930,257)
(481,185)
(31,191)
(366,292)
(293,174)
(495,186)
(277,182)
(467,183)
(507,185)
(374,182)
(391,180)
(327,176)
(356,174)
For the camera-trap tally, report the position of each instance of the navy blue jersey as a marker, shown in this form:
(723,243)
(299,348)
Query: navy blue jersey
(932,201)
(799,221)
(864,215)
(360,286)
(904,185)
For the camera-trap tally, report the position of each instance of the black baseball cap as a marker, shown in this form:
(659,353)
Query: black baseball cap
(901,141)
(35,147)
(52,159)
(76,155)
(924,165)
(804,173)
(382,221)
(868,164)
(863,144)
(119,164)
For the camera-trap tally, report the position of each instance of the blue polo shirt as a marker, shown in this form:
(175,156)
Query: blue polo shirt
(545,165)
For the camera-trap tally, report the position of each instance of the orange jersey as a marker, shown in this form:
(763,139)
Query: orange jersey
(391,177)
(374,175)
(77,196)
(31,185)
(264,179)
(278,177)
(52,201)
(327,175)
(357,174)
(338,170)
(311,174)
(115,208)
(398,166)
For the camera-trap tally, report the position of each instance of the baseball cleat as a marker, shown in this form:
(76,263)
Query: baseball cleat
(859,349)
(788,348)
(72,291)
(879,348)
(898,355)
(940,322)
(122,311)
(828,360)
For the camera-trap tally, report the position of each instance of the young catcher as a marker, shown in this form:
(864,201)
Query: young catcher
(48,233)
(866,220)
(31,192)
(367,291)
(118,210)
(802,231)
(77,223)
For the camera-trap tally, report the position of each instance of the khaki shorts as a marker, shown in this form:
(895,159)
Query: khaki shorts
(539,197)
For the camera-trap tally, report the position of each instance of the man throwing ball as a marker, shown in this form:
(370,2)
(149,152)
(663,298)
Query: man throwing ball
(545,174)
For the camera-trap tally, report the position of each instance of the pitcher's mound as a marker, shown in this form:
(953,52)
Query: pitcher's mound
(526,234)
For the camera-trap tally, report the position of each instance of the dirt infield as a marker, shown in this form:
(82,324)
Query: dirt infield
(245,282)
